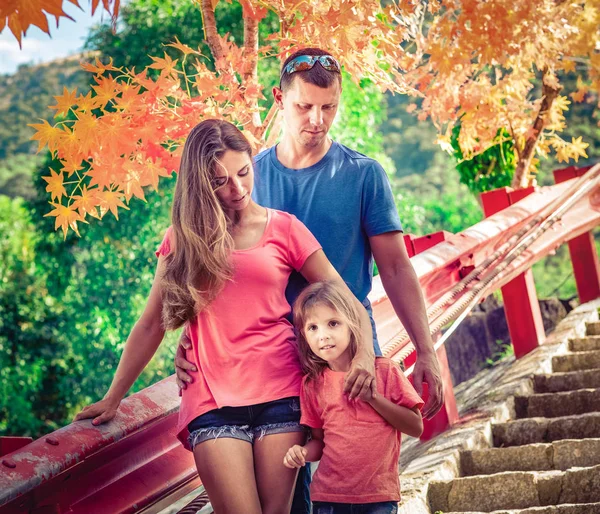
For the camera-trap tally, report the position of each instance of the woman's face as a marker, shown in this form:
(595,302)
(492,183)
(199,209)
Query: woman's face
(234,180)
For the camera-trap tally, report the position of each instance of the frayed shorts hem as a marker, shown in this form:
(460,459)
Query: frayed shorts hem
(242,432)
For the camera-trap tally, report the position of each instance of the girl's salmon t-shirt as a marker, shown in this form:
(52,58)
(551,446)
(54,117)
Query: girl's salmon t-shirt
(360,457)
(243,345)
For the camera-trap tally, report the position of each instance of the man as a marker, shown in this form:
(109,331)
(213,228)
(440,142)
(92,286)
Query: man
(346,201)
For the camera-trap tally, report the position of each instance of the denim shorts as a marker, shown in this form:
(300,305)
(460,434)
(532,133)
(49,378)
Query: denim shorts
(355,508)
(247,423)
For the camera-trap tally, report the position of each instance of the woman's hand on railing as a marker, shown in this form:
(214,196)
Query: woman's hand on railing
(102,411)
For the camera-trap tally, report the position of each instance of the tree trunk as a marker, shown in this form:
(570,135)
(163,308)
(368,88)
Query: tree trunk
(521,178)
(251,53)
(210,29)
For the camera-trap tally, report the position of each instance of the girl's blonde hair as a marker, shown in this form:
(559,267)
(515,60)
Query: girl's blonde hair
(201,265)
(333,295)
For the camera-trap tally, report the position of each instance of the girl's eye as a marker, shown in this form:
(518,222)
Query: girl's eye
(219,182)
(311,328)
(244,173)
(334,323)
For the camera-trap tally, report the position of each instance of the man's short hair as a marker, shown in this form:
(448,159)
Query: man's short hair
(317,75)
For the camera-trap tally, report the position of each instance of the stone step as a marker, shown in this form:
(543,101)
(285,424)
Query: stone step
(576,361)
(567,508)
(555,405)
(592,328)
(559,455)
(584,344)
(515,490)
(545,430)
(570,381)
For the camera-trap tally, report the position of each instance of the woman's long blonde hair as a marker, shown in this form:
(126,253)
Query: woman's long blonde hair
(200,266)
(338,298)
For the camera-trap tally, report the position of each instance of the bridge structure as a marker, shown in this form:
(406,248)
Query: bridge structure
(136,464)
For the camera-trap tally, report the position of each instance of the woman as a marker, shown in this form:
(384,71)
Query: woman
(222,271)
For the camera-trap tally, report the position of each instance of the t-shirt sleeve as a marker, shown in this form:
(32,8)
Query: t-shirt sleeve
(398,389)
(379,214)
(310,416)
(165,247)
(301,244)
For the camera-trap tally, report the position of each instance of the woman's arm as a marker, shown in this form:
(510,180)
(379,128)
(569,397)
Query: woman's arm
(361,376)
(407,421)
(297,456)
(142,343)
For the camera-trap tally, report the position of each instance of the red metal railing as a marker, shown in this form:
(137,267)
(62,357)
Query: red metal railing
(135,463)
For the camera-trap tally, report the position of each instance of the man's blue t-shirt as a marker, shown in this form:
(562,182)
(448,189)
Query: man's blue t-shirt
(343,199)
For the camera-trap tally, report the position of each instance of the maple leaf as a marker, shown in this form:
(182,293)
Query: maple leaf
(55,185)
(166,65)
(47,135)
(86,202)
(110,200)
(99,68)
(577,148)
(184,49)
(64,102)
(66,217)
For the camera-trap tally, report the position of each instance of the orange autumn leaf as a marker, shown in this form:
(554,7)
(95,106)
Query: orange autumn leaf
(55,185)
(87,202)
(66,217)
(110,200)
(47,135)
(64,102)
(19,15)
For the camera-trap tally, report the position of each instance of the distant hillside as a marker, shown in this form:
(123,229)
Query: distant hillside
(24,98)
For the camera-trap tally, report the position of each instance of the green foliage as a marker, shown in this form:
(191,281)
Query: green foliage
(504,350)
(359,120)
(25,97)
(410,143)
(16,175)
(489,170)
(430,202)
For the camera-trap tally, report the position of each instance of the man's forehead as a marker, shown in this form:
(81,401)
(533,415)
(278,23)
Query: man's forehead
(309,93)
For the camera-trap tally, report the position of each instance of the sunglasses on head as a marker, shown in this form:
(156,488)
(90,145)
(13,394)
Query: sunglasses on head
(306,62)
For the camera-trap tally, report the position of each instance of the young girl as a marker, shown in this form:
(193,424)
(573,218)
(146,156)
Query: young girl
(357,442)
(222,271)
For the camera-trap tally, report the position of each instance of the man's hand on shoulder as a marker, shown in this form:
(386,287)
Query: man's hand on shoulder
(182,365)
(427,369)
(360,380)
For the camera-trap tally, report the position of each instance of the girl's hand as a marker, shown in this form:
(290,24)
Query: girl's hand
(101,411)
(295,457)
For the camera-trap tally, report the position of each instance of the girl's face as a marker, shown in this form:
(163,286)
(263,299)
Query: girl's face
(328,336)
(234,180)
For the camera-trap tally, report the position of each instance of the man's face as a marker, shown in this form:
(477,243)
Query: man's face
(308,111)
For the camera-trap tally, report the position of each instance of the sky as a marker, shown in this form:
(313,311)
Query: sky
(38,47)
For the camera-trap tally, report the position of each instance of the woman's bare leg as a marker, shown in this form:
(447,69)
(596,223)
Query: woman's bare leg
(226,468)
(274,481)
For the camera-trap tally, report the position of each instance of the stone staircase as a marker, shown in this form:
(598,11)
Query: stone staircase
(547,460)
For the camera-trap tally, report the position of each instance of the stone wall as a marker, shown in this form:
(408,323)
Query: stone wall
(484,335)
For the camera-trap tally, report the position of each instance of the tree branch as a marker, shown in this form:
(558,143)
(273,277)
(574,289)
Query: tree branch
(250,74)
(549,94)
(210,29)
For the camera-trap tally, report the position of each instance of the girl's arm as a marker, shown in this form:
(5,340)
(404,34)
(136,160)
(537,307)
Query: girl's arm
(142,343)
(361,377)
(407,421)
(297,456)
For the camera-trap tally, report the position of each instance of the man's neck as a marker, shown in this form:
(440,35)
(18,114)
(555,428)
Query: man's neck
(297,157)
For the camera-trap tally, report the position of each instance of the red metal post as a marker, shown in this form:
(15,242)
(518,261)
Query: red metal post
(582,249)
(521,306)
(448,414)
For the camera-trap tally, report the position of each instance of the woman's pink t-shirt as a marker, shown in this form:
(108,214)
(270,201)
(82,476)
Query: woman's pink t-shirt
(360,457)
(242,343)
